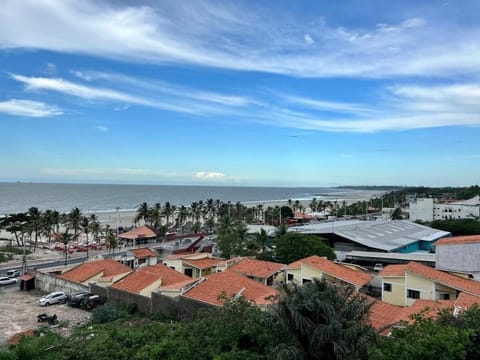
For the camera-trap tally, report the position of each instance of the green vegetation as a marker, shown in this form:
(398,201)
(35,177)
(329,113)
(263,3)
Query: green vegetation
(457,227)
(312,322)
(446,338)
(292,247)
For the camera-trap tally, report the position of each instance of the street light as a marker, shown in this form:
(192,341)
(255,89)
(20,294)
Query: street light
(118,218)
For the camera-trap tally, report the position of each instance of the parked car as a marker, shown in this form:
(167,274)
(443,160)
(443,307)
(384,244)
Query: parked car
(92,302)
(7,281)
(378,267)
(13,273)
(57,297)
(77,299)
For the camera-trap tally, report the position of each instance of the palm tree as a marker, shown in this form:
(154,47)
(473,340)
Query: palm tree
(281,230)
(168,211)
(48,223)
(314,204)
(263,241)
(73,221)
(111,239)
(325,321)
(85,224)
(142,212)
(65,238)
(34,220)
(95,227)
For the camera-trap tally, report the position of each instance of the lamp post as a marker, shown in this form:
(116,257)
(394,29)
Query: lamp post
(118,218)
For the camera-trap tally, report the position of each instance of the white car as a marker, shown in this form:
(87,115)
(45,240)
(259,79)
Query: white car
(378,267)
(7,281)
(58,297)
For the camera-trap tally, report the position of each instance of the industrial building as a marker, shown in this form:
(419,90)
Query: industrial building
(429,209)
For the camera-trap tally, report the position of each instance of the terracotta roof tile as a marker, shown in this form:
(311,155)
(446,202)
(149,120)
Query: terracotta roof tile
(230,283)
(464,300)
(143,253)
(393,270)
(430,308)
(202,263)
(144,277)
(456,240)
(469,286)
(178,285)
(257,268)
(139,233)
(295,265)
(85,271)
(383,315)
(340,272)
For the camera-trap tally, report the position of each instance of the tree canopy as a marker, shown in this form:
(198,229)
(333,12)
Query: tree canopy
(291,247)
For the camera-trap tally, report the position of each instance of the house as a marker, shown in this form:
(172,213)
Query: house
(265,272)
(102,272)
(429,209)
(316,267)
(403,284)
(193,265)
(217,288)
(459,254)
(145,280)
(140,257)
(140,235)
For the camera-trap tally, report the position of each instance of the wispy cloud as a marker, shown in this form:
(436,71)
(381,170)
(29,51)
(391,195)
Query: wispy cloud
(155,100)
(28,108)
(229,36)
(208,175)
(102,128)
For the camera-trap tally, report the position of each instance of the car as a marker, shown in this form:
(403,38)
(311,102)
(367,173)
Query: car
(57,297)
(13,273)
(7,281)
(378,267)
(78,298)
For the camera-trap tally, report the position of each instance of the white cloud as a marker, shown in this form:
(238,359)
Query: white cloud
(99,93)
(28,108)
(102,128)
(308,39)
(225,35)
(205,175)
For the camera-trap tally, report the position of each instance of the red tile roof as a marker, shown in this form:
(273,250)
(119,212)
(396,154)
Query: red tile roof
(202,264)
(393,270)
(229,283)
(295,265)
(464,300)
(139,233)
(107,267)
(469,286)
(144,277)
(470,239)
(383,315)
(143,253)
(340,272)
(429,308)
(257,268)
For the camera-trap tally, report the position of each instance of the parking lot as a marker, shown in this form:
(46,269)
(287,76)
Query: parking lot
(19,312)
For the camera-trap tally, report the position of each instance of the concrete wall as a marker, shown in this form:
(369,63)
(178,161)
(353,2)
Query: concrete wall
(120,297)
(458,258)
(296,275)
(49,283)
(425,286)
(308,272)
(421,209)
(397,295)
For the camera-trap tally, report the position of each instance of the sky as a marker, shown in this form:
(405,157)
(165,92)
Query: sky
(243,93)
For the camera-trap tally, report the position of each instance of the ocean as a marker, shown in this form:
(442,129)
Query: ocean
(19,197)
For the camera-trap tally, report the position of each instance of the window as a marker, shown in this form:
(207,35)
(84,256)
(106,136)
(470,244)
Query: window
(304,281)
(290,277)
(387,287)
(413,294)
(444,296)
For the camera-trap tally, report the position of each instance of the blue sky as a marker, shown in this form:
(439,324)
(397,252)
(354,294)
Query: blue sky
(270,93)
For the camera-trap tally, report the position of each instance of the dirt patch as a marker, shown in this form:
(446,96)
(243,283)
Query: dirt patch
(19,312)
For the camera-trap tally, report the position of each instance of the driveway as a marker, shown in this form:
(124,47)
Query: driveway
(19,312)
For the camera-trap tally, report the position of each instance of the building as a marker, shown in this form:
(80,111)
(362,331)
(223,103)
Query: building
(400,236)
(218,288)
(429,209)
(459,254)
(315,267)
(140,257)
(265,272)
(101,272)
(145,280)
(403,284)
(140,235)
(193,265)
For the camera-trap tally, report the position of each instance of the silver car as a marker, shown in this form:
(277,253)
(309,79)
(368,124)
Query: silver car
(7,281)
(57,297)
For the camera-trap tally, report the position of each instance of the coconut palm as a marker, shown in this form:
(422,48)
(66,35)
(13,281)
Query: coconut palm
(73,221)
(111,239)
(142,213)
(168,211)
(48,224)
(85,224)
(65,237)
(325,321)
(34,221)
(95,227)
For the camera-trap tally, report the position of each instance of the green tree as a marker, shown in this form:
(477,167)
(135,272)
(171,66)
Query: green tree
(35,221)
(111,240)
(397,214)
(324,321)
(292,247)
(73,221)
(142,213)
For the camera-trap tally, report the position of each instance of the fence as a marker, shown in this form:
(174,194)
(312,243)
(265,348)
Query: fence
(49,283)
